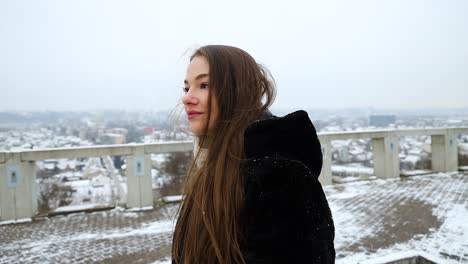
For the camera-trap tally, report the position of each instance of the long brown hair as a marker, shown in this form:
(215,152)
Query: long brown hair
(208,230)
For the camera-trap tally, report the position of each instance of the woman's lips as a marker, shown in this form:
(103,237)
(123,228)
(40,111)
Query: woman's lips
(193,115)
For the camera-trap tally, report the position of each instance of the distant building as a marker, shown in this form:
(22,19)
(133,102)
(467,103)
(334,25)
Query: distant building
(148,131)
(113,138)
(382,120)
(342,154)
(121,131)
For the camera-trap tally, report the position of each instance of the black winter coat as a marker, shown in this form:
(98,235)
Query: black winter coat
(286,218)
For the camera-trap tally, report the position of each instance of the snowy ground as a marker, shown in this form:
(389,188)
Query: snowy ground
(387,217)
(377,219)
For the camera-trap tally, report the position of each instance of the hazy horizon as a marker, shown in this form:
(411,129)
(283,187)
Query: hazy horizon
(274,107)
(88,55)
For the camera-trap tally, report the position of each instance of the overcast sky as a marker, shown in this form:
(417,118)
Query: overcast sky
(80,55)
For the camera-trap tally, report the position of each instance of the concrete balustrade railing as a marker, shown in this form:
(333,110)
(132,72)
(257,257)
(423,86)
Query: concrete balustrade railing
(18,188)
(18,171)
(385,145)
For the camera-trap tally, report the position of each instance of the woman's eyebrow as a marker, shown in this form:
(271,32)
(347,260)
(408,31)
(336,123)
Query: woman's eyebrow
(199,76)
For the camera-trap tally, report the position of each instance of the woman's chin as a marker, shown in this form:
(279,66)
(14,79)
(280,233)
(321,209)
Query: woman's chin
(196,131)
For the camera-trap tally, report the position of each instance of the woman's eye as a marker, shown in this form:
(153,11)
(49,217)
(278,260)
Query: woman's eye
(185,89)
(204,85)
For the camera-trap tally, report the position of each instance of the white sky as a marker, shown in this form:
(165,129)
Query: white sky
(79,55)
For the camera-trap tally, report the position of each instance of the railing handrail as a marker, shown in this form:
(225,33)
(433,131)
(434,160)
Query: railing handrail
(97,150)
(381,133)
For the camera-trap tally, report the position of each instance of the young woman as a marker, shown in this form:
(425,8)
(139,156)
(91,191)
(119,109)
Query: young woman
(252,194)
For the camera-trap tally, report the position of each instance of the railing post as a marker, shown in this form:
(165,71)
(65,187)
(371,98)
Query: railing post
(325,177)
(18,190)
(139,182)
(386,161)
(444,152)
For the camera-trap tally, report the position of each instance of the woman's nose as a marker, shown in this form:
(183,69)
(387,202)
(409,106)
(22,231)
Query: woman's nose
(189,98)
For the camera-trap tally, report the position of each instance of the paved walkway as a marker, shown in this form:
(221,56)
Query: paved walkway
(373,218)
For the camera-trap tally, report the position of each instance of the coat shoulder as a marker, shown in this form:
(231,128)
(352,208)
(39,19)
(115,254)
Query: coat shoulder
(276,170)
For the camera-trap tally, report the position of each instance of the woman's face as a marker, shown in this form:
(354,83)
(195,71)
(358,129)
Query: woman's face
(196,87)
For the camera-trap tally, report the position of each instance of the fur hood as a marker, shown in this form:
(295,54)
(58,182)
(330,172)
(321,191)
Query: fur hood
(293,136)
